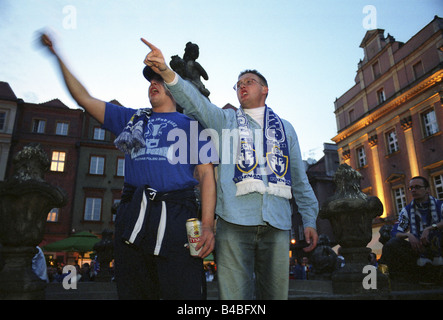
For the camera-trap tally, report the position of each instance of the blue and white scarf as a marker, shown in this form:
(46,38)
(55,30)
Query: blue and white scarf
(275,146)
(132,135)
(415,213)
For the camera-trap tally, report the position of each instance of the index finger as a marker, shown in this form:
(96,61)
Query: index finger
(150,45)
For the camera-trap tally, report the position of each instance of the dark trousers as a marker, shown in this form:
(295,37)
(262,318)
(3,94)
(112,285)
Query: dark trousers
(401,260)
(175,275)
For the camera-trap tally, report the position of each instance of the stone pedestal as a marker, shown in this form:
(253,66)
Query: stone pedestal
(351,212)
(350,278)
(25,201)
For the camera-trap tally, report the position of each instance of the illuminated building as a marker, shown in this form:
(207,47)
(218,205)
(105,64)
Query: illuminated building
(390,122)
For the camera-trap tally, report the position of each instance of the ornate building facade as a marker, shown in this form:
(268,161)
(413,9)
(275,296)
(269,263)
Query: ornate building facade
(390,122)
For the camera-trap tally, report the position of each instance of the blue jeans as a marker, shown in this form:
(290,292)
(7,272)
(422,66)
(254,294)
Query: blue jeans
(243,252)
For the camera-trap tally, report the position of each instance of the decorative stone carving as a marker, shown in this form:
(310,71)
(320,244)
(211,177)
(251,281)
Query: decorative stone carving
(188,68)
(351,212)
(25,201)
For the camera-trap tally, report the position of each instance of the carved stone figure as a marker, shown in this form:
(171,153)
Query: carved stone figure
(25,201)
(351,212)
(188,68)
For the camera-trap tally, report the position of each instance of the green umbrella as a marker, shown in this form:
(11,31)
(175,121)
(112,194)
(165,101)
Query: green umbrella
(209,258)
(79,242)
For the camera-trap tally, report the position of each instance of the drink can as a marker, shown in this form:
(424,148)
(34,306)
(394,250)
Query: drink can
(193,229)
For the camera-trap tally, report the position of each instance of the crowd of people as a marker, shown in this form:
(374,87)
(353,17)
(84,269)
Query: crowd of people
(55,271)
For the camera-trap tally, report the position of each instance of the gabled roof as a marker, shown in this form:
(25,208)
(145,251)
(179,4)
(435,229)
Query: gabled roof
(369,35)
(55,103)
(6,92)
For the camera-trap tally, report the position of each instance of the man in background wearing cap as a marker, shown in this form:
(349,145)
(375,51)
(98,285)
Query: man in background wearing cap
(151,260)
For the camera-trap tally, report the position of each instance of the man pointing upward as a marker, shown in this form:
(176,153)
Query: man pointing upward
(254,214)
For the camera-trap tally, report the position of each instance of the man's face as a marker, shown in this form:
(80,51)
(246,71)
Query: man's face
(157,93)
(418,189)
(251,93)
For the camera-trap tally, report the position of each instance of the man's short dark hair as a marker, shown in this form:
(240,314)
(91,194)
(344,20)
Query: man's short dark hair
(425,181)
(258,74)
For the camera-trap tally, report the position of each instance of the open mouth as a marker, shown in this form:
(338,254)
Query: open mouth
(154,91)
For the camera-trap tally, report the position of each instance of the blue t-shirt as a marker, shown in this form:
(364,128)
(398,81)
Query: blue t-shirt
(173,149)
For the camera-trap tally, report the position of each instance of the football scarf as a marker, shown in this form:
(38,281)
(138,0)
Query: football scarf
(132,135)
(414,215)
(275,148)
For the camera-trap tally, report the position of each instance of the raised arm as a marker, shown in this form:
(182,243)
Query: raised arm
(187,95)
(93,106)
(156,61)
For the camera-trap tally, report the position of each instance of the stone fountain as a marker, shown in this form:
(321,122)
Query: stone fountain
(351,212)
(25,201)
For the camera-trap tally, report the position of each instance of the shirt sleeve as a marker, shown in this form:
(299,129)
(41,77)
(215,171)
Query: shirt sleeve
(116,118)
(304,195)
(197,106)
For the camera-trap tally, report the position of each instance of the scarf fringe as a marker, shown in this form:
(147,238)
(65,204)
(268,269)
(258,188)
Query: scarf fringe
(282,191)
(250,185)
(247,176)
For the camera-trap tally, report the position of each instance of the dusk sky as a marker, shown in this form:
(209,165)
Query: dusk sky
(307,50)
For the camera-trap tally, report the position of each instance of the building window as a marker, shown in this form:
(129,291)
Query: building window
(53,215)
(351,116)
(58,161)
(120,167)
(361,156)
(97,165)
(99,134)
(391,141)
(429,121)
(438,185)
(381,96)
(376,70)
(116,203)
(399,198)
(38,126)
(418,70)
(93,208)
(62,128)
(2,121)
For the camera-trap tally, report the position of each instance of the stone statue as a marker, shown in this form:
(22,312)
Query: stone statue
(351,212)
(31,163)
(188,68)
(25,201)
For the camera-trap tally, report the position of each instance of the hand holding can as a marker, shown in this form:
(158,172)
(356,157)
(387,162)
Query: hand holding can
(193,229)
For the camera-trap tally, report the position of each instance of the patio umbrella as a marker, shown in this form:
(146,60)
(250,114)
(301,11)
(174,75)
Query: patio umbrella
(79,242)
